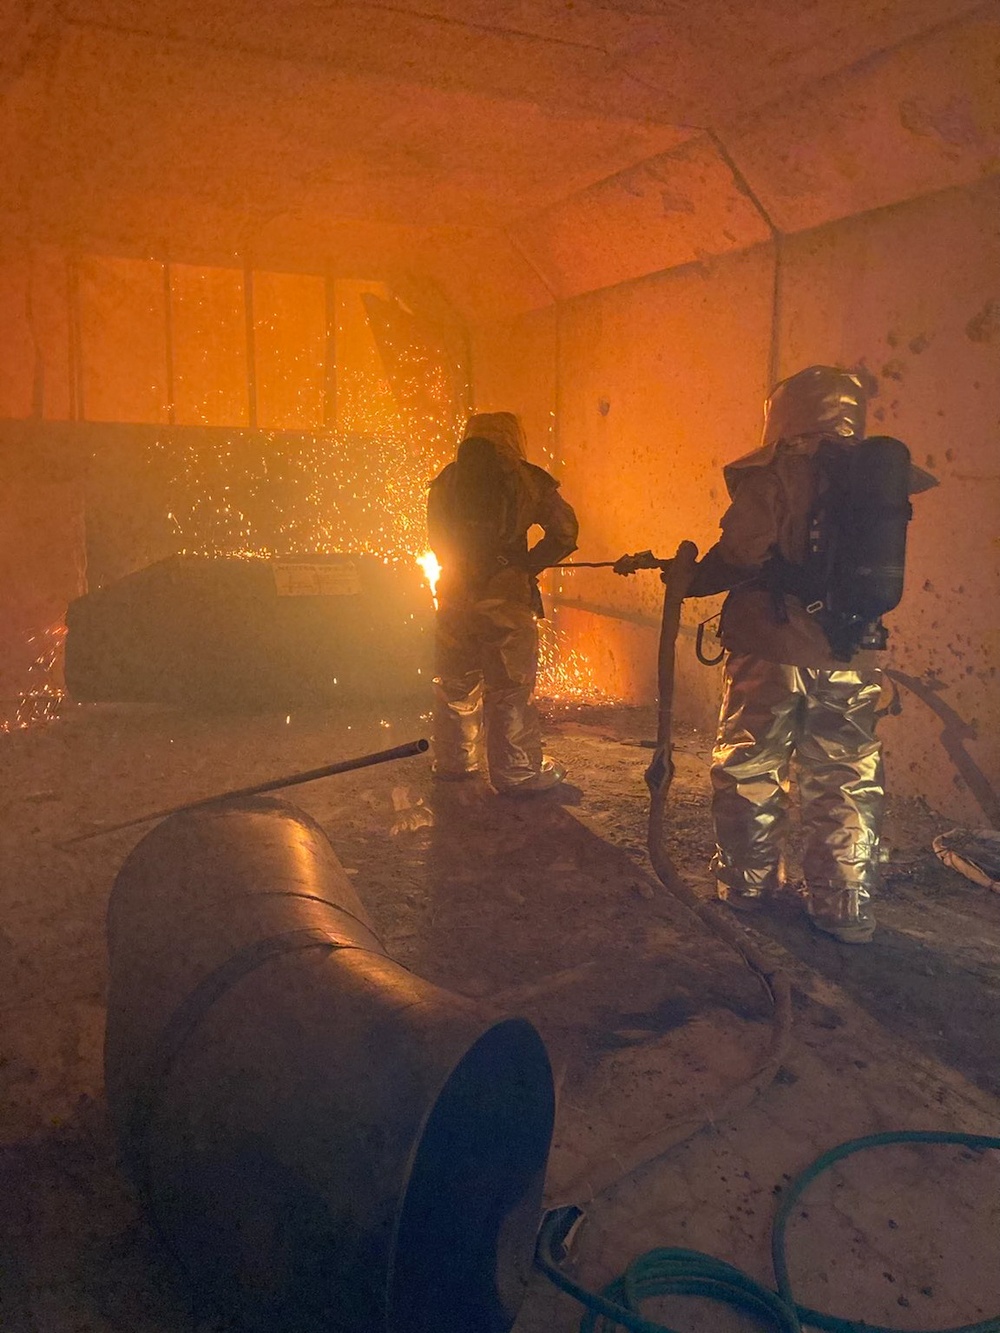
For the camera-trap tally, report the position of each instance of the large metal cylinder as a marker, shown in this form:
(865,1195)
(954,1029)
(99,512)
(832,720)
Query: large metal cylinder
(325,1140)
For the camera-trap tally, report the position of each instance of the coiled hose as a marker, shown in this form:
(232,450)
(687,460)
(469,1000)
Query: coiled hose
(680,1272)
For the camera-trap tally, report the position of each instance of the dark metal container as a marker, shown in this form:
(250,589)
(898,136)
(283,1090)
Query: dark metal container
(325,1141)
(248,633)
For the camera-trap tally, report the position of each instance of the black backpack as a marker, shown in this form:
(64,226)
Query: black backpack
(854,566)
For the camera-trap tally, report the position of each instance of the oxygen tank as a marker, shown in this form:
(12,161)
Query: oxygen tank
(867,577)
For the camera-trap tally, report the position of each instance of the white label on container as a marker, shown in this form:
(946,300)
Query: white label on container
(304,578)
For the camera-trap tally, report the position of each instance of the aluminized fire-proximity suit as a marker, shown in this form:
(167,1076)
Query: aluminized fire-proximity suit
(486,650)
(785,696)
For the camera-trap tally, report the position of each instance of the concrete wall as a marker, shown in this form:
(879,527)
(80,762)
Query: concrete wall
(658,383)
(539,177)
(661,380)
(914,293)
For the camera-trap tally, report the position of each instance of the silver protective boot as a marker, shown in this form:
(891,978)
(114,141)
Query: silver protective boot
(549,775)
(844,914)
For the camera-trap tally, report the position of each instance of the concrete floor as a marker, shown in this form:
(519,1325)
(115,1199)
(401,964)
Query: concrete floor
(546,909)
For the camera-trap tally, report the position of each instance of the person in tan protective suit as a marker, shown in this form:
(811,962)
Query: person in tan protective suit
(785,695)
(479,511)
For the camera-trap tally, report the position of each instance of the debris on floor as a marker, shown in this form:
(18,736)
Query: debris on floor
(548,909)
(974,853)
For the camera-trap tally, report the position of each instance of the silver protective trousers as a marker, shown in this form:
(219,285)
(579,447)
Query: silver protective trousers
(824,721)
(486,660)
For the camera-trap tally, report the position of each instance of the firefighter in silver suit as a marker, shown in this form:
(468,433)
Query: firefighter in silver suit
(786,697)
(480,509)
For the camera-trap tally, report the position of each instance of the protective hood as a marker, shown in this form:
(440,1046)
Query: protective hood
(502,429)
(821,400)
(815,403)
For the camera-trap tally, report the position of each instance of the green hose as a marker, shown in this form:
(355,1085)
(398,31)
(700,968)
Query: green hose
(678,1272)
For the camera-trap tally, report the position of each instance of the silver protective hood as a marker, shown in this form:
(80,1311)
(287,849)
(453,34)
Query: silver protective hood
(816,402)
(503,429)
(820,400)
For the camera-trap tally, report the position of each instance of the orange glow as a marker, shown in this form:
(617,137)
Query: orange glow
(429,563)
(42,698)
(315,477)
(566,675)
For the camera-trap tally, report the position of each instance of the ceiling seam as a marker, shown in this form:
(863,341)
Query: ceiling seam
(523,255)
(578,106)
(873,58)
(743,185)
(615,64)
(493,29)
(703,131)
(987,9)
(305,58)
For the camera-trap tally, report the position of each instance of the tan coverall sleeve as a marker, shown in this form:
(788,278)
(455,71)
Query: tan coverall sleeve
(559,522)
(751,529)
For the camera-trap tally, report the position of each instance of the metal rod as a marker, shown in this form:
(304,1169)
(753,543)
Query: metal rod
(406,751)
(168,333)
(38,369)
(76,410)
(251,342)
(330,350)
(610,564)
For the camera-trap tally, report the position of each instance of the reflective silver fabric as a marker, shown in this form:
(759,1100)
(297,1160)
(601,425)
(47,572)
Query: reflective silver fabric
(823,720)
(486,661)
(820,400)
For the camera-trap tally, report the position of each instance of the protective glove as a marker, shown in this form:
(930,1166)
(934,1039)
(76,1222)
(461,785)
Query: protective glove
(631,564)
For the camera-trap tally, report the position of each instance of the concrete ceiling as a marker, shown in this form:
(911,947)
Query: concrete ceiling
(669,60)
(516,149)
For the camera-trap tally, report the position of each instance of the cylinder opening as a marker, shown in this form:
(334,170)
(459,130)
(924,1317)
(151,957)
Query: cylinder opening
(466,1235)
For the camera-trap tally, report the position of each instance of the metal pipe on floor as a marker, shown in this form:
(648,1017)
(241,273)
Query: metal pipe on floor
(325,1140)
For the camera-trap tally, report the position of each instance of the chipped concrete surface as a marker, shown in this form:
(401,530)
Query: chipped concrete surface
(686,357)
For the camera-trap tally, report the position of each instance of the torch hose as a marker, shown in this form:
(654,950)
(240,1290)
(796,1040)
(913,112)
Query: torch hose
(680,1272)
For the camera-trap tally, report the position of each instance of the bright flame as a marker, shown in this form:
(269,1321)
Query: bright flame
(429,563)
